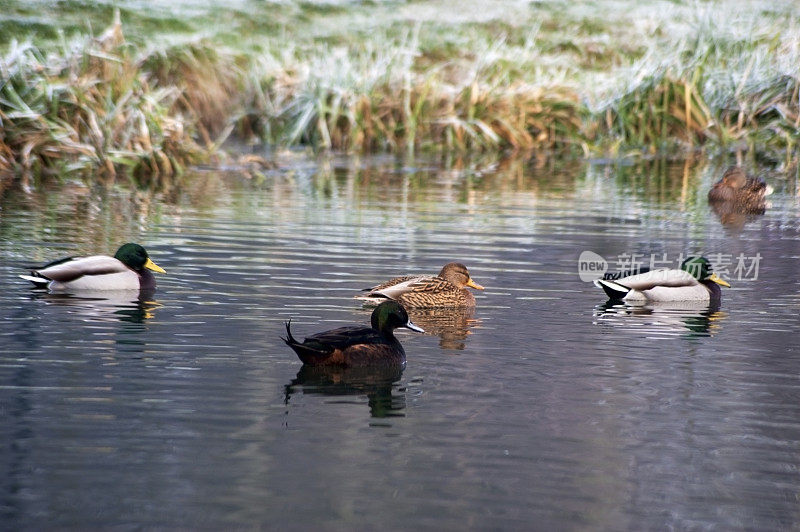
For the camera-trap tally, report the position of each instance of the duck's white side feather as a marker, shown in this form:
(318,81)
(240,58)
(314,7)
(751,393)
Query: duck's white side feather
(127,280)
(656,285)
(97,272)
(697,292)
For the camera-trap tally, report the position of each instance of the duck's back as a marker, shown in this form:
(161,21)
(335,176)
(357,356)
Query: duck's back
(755,187)
(72,268)
(97,272)
(721,192)
(350,346)
(344,337)
(394,282)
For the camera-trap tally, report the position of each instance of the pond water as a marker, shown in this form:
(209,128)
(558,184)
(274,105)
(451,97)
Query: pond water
(546,408)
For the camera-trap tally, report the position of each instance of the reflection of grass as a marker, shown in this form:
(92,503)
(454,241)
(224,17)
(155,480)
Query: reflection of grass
(509,189)
(392,76)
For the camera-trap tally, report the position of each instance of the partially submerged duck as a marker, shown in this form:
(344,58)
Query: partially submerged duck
(446,290)
(128,269)
(742,193)
(357,346)
(694,281)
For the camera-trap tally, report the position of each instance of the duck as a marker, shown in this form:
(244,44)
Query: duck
(446,290)
(355,346)
(694,281)
(736,189)
(128,269)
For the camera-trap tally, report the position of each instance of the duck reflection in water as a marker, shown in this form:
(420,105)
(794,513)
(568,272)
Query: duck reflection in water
(380,384)
(452,326)
(732,216)
(699,318)
(107,305)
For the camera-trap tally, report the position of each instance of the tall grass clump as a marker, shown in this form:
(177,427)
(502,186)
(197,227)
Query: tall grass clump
(382,98)
(88,110)
(209,81)
(664,76)
(664,110)
(725,83)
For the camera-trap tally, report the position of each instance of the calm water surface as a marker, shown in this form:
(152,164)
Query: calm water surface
(545,409)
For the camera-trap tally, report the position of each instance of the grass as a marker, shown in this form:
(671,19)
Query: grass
(606,79)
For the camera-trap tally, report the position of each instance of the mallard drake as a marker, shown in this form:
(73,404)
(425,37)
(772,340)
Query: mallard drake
(128,269)
(357,346)
(741,192)
(695,281)
(448,289)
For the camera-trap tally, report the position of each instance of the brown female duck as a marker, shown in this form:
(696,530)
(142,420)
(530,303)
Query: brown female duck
(742,193)
(446,290)
(357,346)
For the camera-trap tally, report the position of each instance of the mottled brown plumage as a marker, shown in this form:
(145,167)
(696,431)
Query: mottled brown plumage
(738,192)
(448,289)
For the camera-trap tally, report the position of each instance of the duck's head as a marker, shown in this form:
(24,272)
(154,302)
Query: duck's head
(135,257)
(734,177)
(457,274)
(391,315)
(700,268)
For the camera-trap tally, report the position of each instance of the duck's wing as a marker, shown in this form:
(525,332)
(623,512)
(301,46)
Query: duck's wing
(613,276)
(432,285)
(344,337)
(653,278)
(404,285)
(720,192)
(398,283)
(324,347)
(72,268)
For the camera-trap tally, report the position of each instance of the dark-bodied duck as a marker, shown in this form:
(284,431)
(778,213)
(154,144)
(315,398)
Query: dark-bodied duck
(446,290)
(357,346)
(741,192)
(128,269)
(694,281)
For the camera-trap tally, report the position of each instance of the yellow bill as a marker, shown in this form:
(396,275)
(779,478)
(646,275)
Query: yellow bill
(150,265)
(719,280)
(474,285)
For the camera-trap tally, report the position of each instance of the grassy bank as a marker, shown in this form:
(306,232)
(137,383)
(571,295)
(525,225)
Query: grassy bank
(606,79)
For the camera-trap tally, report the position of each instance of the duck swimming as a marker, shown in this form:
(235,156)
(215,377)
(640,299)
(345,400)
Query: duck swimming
(745,194)
(694,281)
(357,346)
(128,269)
(446,290)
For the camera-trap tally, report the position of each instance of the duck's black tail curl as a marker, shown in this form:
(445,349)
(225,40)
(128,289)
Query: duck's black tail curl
(290,340)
